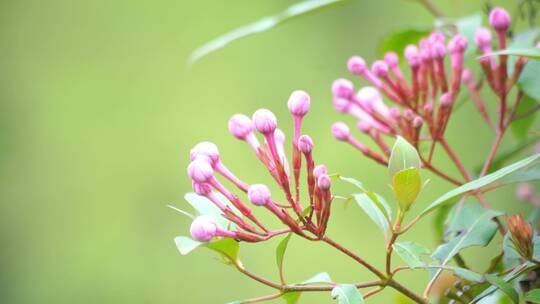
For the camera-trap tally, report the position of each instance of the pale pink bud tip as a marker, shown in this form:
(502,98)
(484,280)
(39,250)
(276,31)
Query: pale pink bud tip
(341,105)
(458,44)
(259,194)
(240,126)
(206,149)
(525,191)
(499,19)
(412,55)
(265,121)
(482,38)
(391,59)
(203,228)
(436,36)
(356,65)
(298,103)
(319,170)
(438,50)
(200,171)
(395,112)
(279,136)
(305,144)
(363,126)
(408,114)
(467,75)
(201,188)
(379,68)
(417,122)
(428,107)
(342,88)
(446,100)
(340,131)
(324,182)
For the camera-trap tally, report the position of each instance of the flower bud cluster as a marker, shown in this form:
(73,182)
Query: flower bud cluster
(206,165)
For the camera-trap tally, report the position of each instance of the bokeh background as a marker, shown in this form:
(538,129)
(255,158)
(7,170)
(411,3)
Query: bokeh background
(99,111)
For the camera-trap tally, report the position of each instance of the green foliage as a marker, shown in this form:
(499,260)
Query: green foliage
(504,287)
(529,79)
(322,277)
(411,253)
(186,244)
(374,211)
(532,53)
(397,41)
(347,294)
(533,296)
(280,253)
(520,127)
(204,206)
(227,247)
(291,297)
(407,184)
(403,156)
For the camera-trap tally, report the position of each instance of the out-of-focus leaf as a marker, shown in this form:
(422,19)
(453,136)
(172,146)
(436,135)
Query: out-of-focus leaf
(352,181)
(439,221)
(191,216)
(507,278)
(407,185)
(291,297)
(204,206)
(533,296)
(411,253)
(504,286)
(458,271)
(520,128)
(532,53)
(280,253)
(347,294)
(322,277)
(493,180)
(226,247)
(373,212)
(403,156)
(186,244)
(397,41)
(264,24)
(530,78)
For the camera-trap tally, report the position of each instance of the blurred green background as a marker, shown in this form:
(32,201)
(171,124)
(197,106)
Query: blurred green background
(99,111)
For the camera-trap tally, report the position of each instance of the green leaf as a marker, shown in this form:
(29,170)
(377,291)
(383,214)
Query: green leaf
(264,24)
(352,181)
(189,215)
(496,179)
(227,247)
(411,253)
(504,287)
(515,273)
(533,296)
(322,277)
(531,53)
(458,271)
(373,212)
(280,253)
(525,39)
(407,185)
(440,220)
(520,128)
(291,297)
(204,206)
(397,41)
(186,244)
(347,294)
(529,79)
(403,156)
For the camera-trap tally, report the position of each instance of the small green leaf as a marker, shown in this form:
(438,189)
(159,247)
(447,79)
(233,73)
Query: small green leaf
(322,277)
(291,297)
(467,274)
(504,287)
(407,185)
(532,53)
(533,296)
(492,180)
(373,212)
(280,253)
(520,128)
(186,244)
(352,181)
(515,273)
(226,246)
(403,156)
(347,294)
(529,79)
(397,41)
(204,206)
(411,253)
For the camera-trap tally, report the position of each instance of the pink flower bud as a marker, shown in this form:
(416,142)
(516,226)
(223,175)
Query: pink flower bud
(428,107)
(412,55)
(324,182)
(341,105)
(446,100)
(436,36)
(467,76)
(417,122)
(482,38)
(298,103)
(438,50)
(259,194)
(342,88)
(379,68)
(391,59)
(203,228)
(341,131)
(305,144)
(200,171)
(369,97)
(457,44)
(240,126)
(363,126)
(500,19)
(279,136)
(207,149)
(395,113)
(265,121)
(356,65)
(525,191)
(408,114)
(319,170)
(201,188)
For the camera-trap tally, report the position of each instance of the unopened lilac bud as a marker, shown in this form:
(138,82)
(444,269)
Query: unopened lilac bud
(457,44)
(279,136)
(467,76)
(324,182)
(525,191)
(428,107)
(379,68)
(363,126)
(259,194)
(200,171)
(408,114)
(207,149)
(319,170)
(395,112)
(240,126)
(412,55)
(356,65)
(298,103)
(436,36)
(201,188)
(500,19)
(305,144)
(341,105)
(342,88)
(391,59)
(446,100)
(417,122)
(482,38)
(265,121)
(438,50)
(341,131)
(369,97)
(203,228)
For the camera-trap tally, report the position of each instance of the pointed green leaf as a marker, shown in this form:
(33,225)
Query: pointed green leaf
(352,181)
(533,296)
(204,206)
(515,273)
(189,215)
(347,294)
(403,156)
(291,297)
(529,79)
(531,52)
(280,253)
(504,287)
(373,212)
(322,277)
(186,244)
(226,246)
(411,253)
(407,185)
(458,271)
